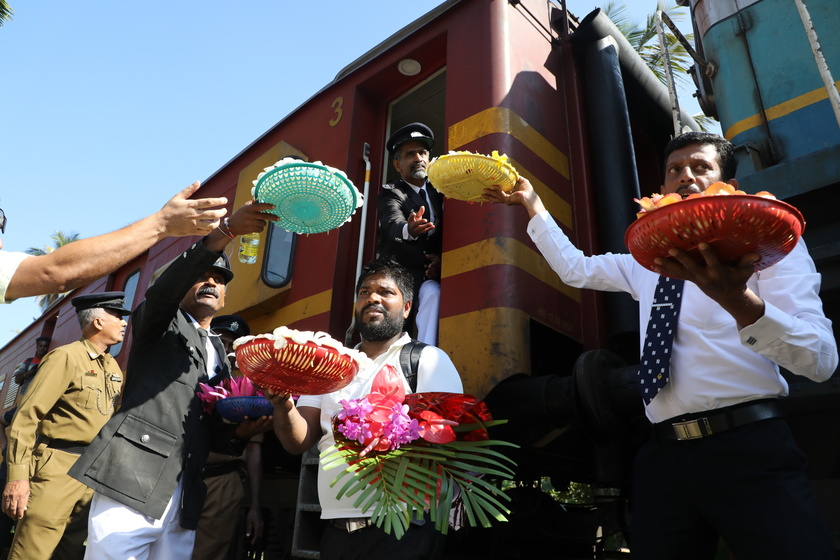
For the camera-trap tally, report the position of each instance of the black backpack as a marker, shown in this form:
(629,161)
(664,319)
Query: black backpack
(410,361)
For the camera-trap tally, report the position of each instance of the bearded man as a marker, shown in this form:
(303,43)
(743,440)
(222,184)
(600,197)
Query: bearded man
(383,302)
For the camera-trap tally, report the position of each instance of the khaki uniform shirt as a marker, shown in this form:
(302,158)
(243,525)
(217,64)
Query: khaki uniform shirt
(74,394)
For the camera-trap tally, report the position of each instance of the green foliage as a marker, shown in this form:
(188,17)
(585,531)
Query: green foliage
(5,12)
(59,240)
(576,493)
(418,477)
(645,40)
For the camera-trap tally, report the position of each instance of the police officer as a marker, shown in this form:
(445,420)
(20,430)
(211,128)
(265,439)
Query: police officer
(74,394)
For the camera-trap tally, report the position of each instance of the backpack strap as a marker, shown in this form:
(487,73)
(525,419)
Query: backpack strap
(410,361)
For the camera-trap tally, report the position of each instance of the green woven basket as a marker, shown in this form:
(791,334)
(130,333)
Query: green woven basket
(307,197)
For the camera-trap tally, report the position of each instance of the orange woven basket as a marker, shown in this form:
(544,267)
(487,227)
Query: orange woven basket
(733,225)
(300,369)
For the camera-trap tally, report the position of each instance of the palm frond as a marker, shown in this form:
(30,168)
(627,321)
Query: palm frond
(416,477)
(5,12)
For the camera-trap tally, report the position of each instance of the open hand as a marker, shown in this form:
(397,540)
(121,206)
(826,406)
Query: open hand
(183,216)
(723,283)
(417,224)
(251,218)
(250,427)
(522,194)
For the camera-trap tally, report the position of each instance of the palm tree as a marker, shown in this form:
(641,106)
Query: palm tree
(59,239)
(5,12)
(645,41)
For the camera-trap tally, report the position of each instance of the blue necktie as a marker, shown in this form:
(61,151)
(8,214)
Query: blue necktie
(655,366)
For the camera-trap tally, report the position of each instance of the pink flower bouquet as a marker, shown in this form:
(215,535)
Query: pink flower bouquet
(403,454)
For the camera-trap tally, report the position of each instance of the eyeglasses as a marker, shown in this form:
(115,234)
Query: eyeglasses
(2,221)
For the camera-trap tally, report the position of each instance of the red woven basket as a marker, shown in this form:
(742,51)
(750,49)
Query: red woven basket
(300,369)
(733,225)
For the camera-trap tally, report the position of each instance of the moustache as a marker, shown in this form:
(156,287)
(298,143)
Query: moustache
(374,307)
(205,290)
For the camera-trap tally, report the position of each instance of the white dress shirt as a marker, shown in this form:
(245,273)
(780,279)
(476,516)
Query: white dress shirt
(435,372)
(715,362)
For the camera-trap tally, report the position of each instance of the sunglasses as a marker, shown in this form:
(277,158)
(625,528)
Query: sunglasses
(2,221)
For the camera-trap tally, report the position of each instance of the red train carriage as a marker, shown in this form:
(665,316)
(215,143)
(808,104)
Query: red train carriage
(580,116)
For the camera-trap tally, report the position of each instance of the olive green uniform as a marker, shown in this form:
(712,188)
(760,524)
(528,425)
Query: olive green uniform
(68,402)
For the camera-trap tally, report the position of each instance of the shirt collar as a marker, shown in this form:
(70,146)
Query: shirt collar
(92,350)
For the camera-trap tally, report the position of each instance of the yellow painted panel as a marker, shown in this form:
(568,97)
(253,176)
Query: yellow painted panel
(289,314)
(554,203)
(504,250)
(780,110)
(496,345)
(502,120)
(247,290)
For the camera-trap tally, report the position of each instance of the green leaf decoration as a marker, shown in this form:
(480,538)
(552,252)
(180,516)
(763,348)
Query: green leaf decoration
(416,477)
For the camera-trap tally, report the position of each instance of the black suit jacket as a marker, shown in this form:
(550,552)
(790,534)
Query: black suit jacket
(160,433)
(395,202)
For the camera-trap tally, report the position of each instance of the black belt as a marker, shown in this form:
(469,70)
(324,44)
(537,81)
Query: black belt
(77,447)
(218,469)
(711,422)
(353,524)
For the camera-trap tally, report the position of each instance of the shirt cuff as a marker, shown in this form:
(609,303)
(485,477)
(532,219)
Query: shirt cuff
(17,472)
(540,224)
(771,327)
(405,234)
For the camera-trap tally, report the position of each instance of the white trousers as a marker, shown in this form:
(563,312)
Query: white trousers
(118,532)
(428,310)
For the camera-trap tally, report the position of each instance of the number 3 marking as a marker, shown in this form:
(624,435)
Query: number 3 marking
(337,104)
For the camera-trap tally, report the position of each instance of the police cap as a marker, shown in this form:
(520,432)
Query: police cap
(104,300)
(417,132)
(233,324)
(222,266)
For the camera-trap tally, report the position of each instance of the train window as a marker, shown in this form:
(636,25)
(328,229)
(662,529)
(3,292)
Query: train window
(279,257)
(130,290)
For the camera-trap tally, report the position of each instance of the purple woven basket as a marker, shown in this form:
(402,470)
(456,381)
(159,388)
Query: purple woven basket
(236,409)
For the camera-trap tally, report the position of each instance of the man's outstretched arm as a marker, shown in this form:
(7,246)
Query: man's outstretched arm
(86,260)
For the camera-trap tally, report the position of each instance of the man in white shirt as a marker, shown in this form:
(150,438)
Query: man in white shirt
(383,303)
(81,262)
(741,476)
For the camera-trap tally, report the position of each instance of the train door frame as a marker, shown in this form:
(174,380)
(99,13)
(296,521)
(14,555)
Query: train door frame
(398,116)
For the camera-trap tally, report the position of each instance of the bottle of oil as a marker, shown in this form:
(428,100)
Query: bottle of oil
(249,245)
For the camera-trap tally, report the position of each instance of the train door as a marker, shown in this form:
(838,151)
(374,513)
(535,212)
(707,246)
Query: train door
(425,103)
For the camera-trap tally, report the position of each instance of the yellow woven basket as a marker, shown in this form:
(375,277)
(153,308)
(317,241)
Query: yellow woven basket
(464,176)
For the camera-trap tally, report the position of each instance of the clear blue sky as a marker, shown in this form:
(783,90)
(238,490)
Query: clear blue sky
(110,107)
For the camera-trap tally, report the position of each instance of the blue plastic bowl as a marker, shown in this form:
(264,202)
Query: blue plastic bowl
(236,409)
